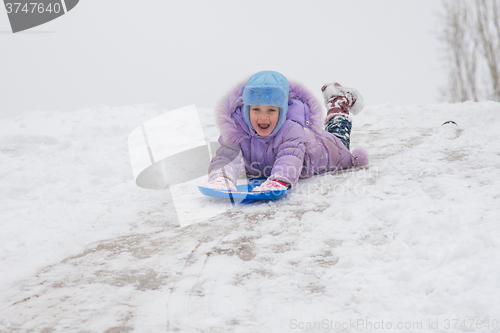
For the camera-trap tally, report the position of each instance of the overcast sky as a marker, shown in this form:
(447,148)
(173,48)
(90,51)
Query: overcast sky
(177,53)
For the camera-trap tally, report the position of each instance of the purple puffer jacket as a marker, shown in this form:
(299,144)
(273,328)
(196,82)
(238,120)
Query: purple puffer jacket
(300,148)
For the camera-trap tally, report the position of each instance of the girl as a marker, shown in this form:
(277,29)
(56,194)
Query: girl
(274,127)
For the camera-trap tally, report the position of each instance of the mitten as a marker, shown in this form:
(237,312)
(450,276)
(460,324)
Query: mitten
(221,183)
(271,185)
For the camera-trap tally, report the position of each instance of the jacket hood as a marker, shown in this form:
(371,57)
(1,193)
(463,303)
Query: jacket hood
(233,99)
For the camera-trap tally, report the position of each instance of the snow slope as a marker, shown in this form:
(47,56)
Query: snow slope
(410,242)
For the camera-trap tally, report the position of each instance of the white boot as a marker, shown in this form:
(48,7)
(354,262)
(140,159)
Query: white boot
(340,99)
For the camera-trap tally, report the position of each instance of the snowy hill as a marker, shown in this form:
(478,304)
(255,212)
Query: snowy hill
(410,242)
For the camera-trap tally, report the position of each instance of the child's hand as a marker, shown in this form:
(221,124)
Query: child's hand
(271,185)
(221,183)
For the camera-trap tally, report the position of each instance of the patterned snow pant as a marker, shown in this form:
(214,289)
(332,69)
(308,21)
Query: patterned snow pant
(340,126)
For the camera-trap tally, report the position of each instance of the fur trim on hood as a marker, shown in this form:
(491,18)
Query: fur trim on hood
(233,99)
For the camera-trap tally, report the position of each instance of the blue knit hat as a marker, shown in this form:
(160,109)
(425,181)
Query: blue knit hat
(266,88)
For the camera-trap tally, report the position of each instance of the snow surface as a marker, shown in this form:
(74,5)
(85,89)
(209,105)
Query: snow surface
(413,238)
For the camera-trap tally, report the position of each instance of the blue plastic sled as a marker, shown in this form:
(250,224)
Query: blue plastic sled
(244,192)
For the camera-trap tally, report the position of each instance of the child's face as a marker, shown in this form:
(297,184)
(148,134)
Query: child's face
(264,118)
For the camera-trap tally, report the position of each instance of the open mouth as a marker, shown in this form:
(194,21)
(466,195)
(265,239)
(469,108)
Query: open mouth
(264,126)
